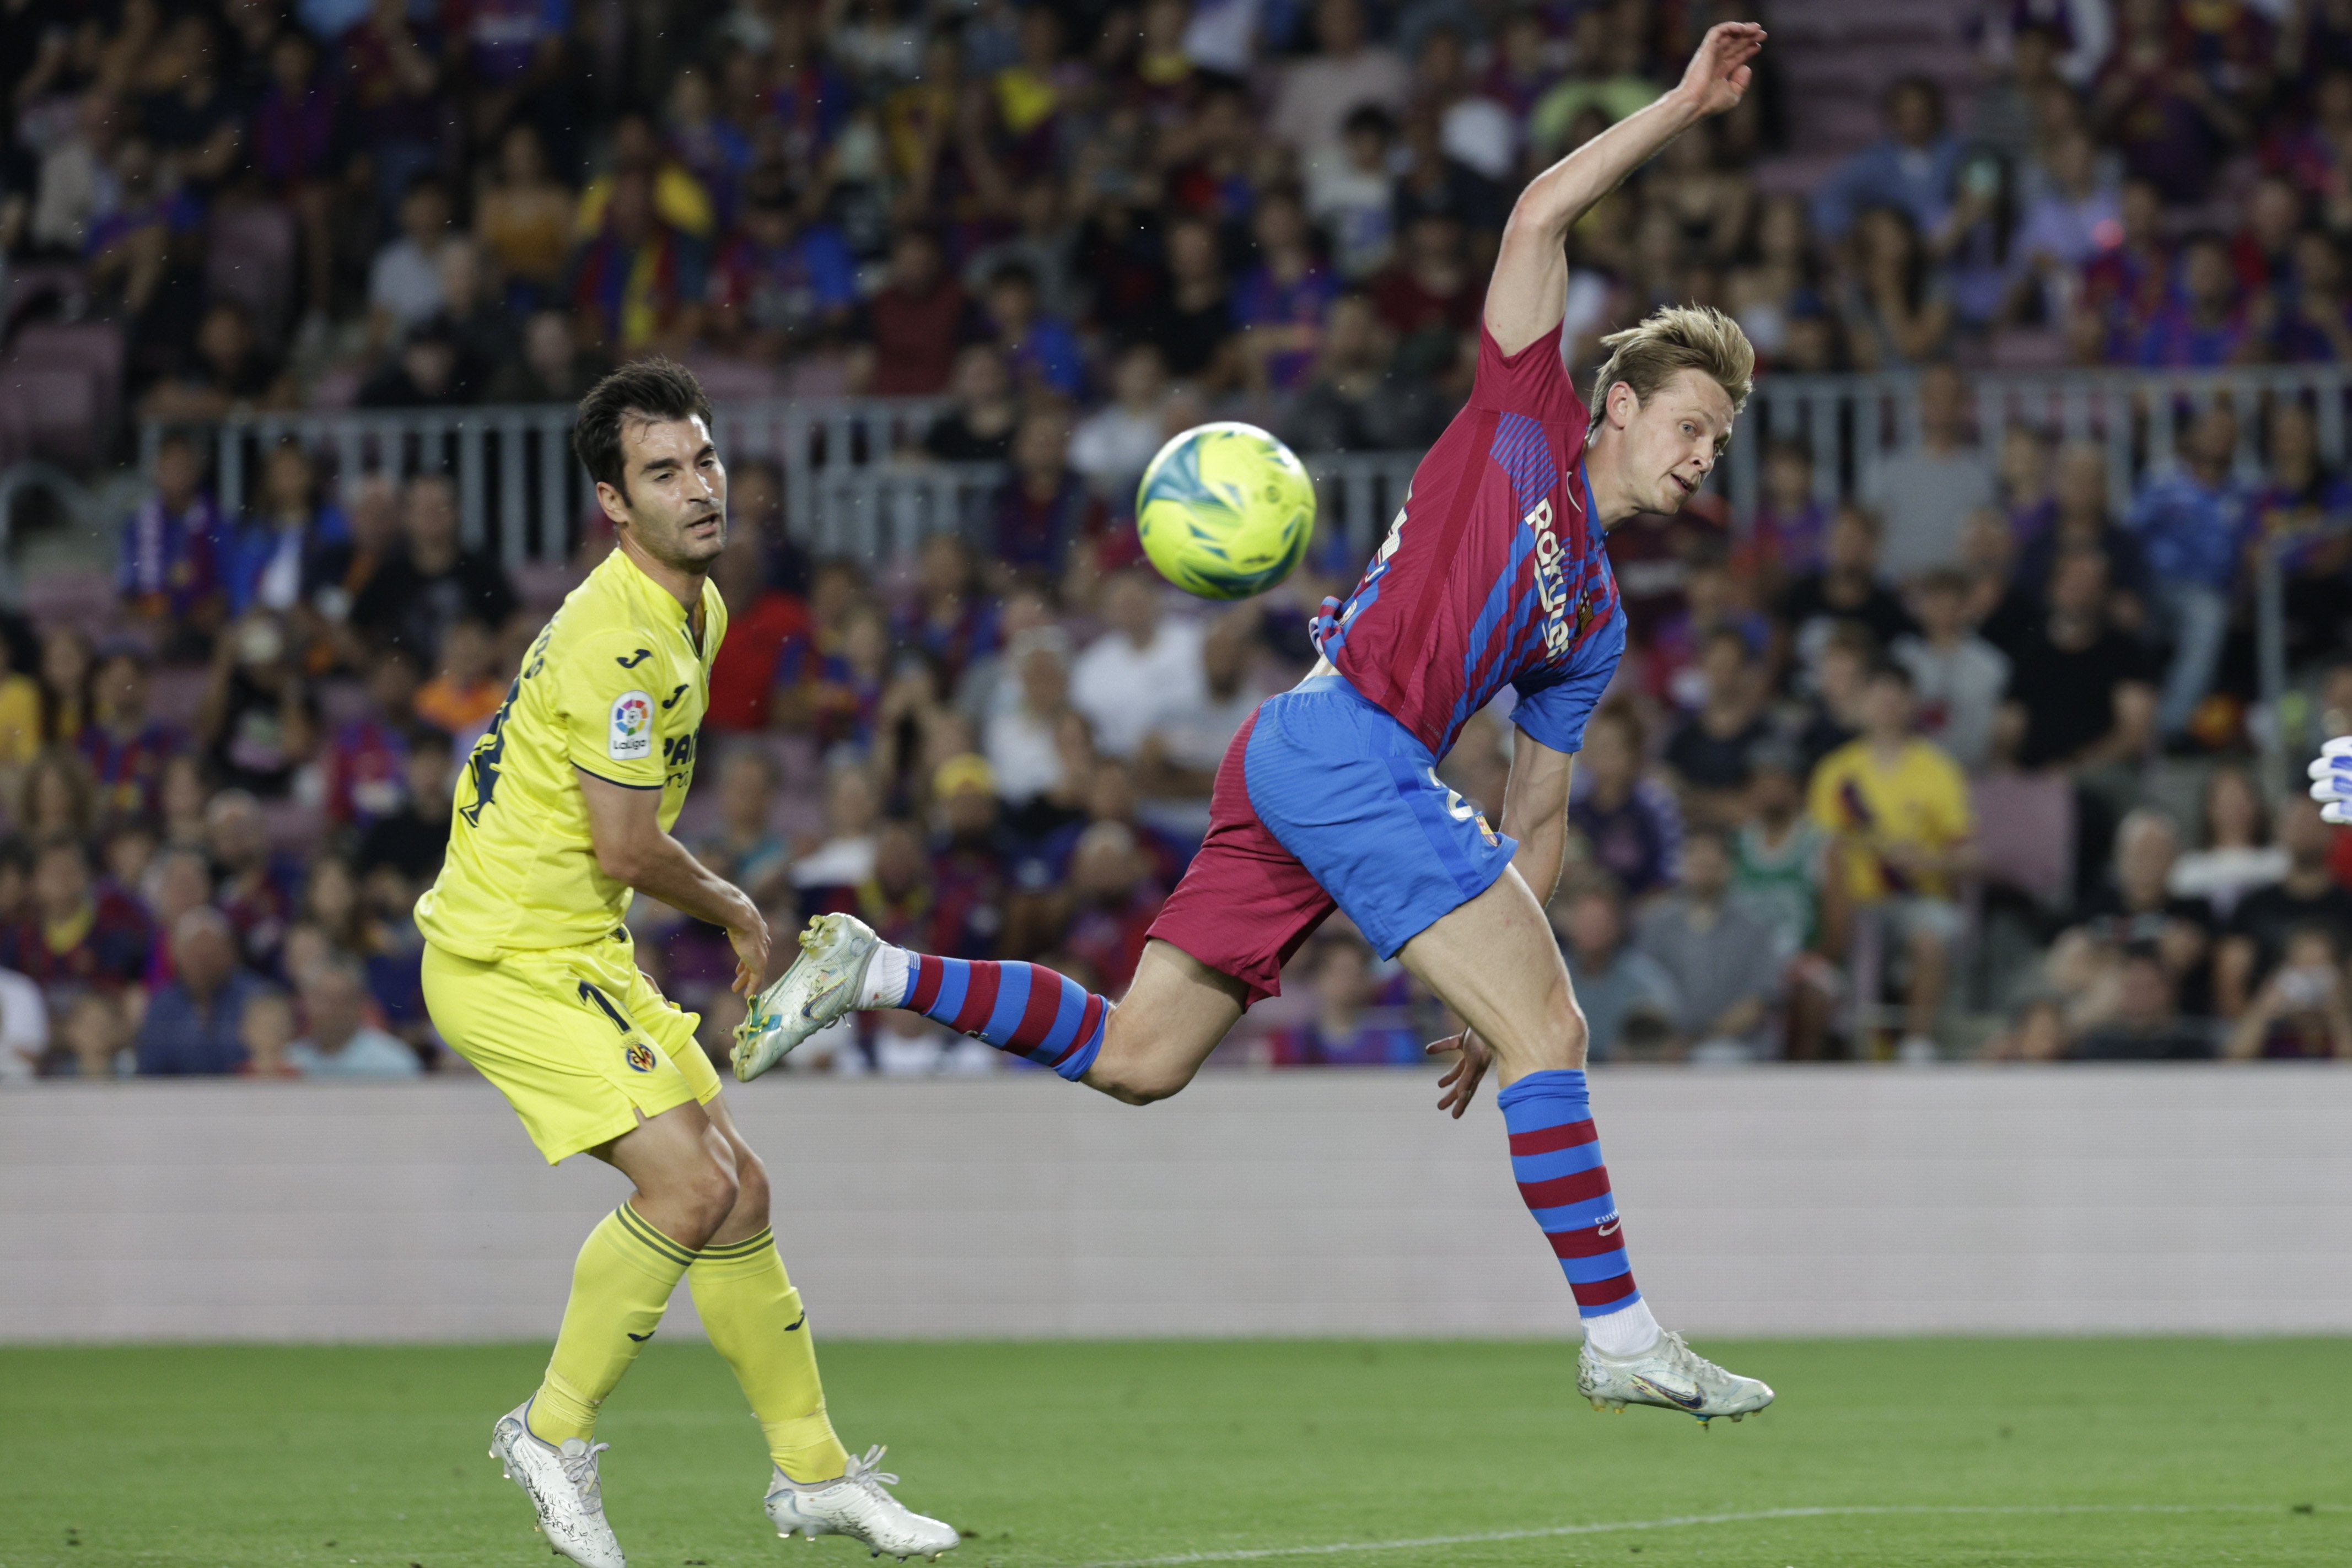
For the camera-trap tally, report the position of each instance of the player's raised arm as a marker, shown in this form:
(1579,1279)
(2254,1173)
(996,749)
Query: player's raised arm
(1528,291)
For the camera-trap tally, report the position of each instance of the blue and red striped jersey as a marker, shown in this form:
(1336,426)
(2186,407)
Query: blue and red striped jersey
(1495,573)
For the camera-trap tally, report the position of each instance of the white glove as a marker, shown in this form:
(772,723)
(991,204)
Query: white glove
(2331,780)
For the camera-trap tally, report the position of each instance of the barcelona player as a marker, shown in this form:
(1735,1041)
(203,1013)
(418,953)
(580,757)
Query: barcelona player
(564,807)
(1495,574)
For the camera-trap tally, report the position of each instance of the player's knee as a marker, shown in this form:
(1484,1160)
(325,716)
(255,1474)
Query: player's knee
(708,1193)
(750,1188)
(1134,1083)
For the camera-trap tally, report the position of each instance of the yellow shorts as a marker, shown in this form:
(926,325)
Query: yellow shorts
(577,1039)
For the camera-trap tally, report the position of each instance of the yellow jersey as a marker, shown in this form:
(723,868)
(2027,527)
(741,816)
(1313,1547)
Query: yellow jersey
(615,686)
(1922,799)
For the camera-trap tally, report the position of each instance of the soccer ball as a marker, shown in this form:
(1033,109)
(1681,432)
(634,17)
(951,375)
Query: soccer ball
(1224,510)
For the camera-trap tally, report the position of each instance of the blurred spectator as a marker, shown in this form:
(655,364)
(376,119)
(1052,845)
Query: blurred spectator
(413,838)
(1019,733)
(1279,304)
(195,1023)
(24,1027)
(2154,103)
(2080,518)
(1789,536)
(746,848)
(638,281)
(522,216)
(2076,217)
(2079,694)
(1721,959)
(2300,1011)
(1898,810)
(978,425)
(844,857)
(1631,826)
(76,934)
(552,367)
(421,588)
(1349,1027)
(337,1039)
(1320,90)
(271,555)
(2235,855)
(1898,305)
(1351,403)
(124,745)
(57,798)
(1960,677)
(405,279)
(91,1036)
(972,855)
(1113,446)
(1708,752)
(1429,295)
(2192,525)
(169,575)
(465,690)
(950,619)
(2137,906)
(914,325)
(1191,321)
(365,759)
(1924,492)
(1144,668)
(1353,197)
(225,367)
(1627,999)
(2204,325)
(760,622)
(1912,169)
(2257,938)
(1114,900)
(2147,1024)
(1846,591)
(253,886)
(779,286)
(1041,349)
(259,720)
(431,368)
(1601,76)
(1043,510)
(266,1030)
(1176,762)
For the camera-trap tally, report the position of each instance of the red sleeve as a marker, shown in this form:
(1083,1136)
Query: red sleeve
(1532,382)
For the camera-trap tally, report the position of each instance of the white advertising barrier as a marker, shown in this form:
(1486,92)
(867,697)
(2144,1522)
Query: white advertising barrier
(1777,1201)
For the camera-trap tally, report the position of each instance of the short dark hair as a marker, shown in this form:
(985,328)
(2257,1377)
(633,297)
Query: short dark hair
(650,388)
(1893,670)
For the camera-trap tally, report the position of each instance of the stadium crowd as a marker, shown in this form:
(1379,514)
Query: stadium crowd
(1087,227)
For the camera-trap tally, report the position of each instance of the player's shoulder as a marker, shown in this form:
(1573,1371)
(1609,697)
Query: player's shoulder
(1532,380)
(602,617)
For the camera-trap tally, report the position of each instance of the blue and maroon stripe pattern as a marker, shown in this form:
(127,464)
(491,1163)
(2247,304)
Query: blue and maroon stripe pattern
(1025,1010)
(1556,1159)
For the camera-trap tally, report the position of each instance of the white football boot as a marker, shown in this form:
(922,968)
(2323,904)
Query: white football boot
(854,1504)
(822,984)
(1672,1376)
(563,1485)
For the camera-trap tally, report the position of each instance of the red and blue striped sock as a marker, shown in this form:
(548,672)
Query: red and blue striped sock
(1556,1159)
(1025,1010)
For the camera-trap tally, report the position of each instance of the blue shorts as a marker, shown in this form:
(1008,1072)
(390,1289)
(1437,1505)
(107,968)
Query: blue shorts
(1356,797)
(1323,798)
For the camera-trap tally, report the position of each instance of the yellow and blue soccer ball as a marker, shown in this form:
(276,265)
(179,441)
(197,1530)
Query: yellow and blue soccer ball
(1225,510)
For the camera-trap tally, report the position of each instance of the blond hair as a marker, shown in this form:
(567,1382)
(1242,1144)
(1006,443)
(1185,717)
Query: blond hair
(1674,339)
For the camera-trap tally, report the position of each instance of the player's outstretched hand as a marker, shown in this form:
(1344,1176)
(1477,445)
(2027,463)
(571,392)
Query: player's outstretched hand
(1461,1079)
(1718,74)
(751,944)
(2331,780)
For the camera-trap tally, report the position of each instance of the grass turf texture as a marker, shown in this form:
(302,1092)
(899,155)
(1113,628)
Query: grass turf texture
(1088,1453)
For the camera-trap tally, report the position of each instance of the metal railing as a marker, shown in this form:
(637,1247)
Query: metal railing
(855,480)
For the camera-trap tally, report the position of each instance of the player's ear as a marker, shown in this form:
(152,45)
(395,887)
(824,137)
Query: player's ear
(610,500)
(1621,403)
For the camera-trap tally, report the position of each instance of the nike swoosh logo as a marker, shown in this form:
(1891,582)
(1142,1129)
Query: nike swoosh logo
(790,1326)
(1608,1226)
(1690,1401)
(808,1008)
(640,1338)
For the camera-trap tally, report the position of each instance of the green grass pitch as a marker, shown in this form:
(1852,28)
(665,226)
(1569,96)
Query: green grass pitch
(1881,1454)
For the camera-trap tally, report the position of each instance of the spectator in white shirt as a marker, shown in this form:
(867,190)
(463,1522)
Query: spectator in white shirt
(1318,92)
(1960,677)
(1020,735)
(1176,764)
(405,281)
(1353,198)
(1112,446)
(341,1042)
(1146,667)
(845,856)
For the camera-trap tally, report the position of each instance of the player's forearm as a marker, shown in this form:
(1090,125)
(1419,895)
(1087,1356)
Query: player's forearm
(662,869)
(1562,194)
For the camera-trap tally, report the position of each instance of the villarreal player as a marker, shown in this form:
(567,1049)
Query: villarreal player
(1495,574)
(563,809)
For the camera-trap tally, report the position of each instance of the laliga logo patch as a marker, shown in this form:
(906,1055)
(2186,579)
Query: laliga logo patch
(1487,833)
(639,1056)
(630,738)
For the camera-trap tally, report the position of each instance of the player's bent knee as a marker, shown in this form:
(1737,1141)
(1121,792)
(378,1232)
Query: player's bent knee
(1137,1078)
(750,1188)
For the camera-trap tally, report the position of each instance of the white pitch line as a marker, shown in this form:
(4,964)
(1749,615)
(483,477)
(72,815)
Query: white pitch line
(1340,1547)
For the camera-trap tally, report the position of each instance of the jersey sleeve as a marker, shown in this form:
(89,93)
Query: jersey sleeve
(609,712)
(1554,706)
(1532,382)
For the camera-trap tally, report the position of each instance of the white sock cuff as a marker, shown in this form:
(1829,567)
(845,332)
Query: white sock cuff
(1629,1331)
(885,977)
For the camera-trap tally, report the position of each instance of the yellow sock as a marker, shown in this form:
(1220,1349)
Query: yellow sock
(755,1317)
(623,1280)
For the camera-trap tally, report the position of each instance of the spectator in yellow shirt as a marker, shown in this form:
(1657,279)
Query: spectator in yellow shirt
(1897,809)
